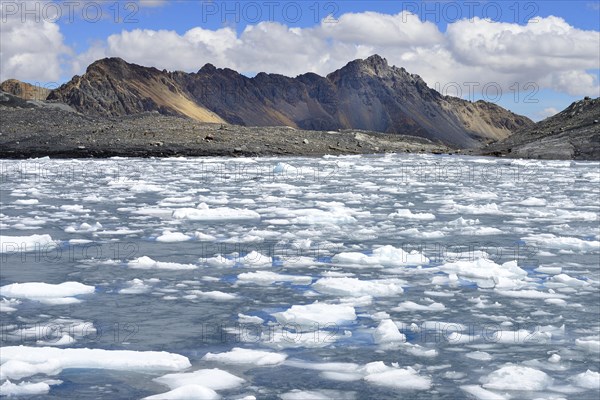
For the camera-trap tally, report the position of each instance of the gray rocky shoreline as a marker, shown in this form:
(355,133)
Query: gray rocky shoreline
(57,133)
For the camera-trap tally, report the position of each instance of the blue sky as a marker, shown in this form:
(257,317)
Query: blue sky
(292,39)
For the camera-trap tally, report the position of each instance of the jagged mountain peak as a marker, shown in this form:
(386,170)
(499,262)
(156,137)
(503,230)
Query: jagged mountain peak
(208,68)
(108,62)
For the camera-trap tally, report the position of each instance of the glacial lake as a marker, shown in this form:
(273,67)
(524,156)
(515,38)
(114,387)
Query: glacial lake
(353,277)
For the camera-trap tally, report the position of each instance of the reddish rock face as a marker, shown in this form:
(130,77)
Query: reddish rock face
(24,90)
(365,94)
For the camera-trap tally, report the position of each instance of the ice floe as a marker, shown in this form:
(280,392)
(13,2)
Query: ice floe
(387,332)
(146,262)
(21,361)
(205,213)
(214,379)
(316,313)
(238,355)
(172,237)
(47,293)
(386,256)
(15,244)
(355,287)
(516,377)
(269,277)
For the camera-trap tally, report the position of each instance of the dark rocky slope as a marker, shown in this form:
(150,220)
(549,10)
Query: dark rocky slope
(574,133)
(34,129)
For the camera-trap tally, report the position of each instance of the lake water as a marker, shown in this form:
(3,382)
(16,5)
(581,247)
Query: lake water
(389,276)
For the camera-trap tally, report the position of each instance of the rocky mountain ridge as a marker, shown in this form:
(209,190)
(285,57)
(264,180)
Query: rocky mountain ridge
(365,94)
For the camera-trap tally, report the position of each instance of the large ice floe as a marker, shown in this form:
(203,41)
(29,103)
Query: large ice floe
(352,277)
(20,361)
(63,293)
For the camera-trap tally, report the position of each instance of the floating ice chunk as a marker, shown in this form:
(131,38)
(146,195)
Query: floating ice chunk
(215,379)
(588,379)
(83,228)
(76,208)
(556,302)
(387,332)
(26,388)
(549,270)
(21,361)
(463,222)
(412,306)
(146,262)
(135,286)
(172,237)
(120,231)
(530,294)
(268,277)
(178,200)
(356,287)
(490,208)
(316,313)
(515,377)
(246,356)
(47,293)
(554,359)
(533,201)
(244,239)
(408,214)
(8,305)
(569,215)
(386,256)
(136,186)
(569,281)
(13,244)
(285,339)
(563,242)
(26,202)
(255,259)
(397,378)
(590,343)
(218,261)
(204,237)
(480,393)
(213,295)
(479,355)
(486,273)
(414,232)
(317,217)
(204,213)
(187,392)
(250,319)
(419,351)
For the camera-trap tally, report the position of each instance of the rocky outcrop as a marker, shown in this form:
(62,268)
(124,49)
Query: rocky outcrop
(574,133)
(24,90)
(112,87)
(365,94)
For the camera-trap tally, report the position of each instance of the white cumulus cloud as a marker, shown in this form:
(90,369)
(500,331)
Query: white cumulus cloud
(547,52)
(30,48)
